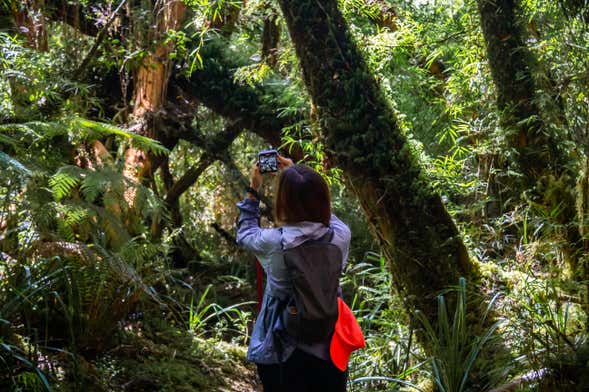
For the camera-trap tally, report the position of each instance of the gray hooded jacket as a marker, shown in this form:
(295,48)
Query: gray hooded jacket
(269,343)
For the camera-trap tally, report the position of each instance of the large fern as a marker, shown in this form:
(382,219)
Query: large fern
(103,180)
(76,129)
(95,130)
(26,133)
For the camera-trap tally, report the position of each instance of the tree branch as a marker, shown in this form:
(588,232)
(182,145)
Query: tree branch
(214,87)
(98,41)
(211,152)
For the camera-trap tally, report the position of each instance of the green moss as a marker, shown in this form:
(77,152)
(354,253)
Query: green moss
(172,360)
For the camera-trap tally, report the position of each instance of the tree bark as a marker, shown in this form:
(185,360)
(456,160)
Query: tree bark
(150,91)
(548,173)
(74,15)
(270,39)
(417,235)
(30,22)
(511,63)
(418,238)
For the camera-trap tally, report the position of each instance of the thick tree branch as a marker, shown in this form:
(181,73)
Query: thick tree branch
(211,152)
(214,87)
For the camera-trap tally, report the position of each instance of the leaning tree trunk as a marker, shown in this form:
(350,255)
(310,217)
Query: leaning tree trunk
(418,237)
(271,38)
(547,171)
(511,64)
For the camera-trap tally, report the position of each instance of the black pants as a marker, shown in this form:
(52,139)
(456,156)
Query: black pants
(302,372)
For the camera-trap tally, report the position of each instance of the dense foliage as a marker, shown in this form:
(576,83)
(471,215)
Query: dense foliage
(126,132)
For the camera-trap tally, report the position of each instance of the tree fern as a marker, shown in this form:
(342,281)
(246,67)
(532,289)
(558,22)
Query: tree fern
(8,141)
(77,128)
(112,226)
(127,274)
(136,251)
(33,130)
(152,207)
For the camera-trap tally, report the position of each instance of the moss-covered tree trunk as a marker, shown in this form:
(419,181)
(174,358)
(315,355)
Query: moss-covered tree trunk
(548,172)
(583,212)
(417,235)
(271,38)
(511,64)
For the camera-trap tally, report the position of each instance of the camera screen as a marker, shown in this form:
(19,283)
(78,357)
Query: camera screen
(268,163)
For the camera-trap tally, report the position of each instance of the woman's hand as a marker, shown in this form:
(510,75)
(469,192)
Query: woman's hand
(283,162)
(256,178)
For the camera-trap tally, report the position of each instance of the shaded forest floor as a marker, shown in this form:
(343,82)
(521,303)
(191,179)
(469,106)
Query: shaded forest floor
(165,359)
(152,352)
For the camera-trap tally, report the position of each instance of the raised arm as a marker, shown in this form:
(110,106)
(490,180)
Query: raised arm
(250,235)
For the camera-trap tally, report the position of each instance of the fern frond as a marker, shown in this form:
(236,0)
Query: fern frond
(36,130)
(71,217)
(65,231)
(128,275)
(24,129)
(152,207)
(94,130)
(111,224)
(137,251)
(66,179)
(90,188)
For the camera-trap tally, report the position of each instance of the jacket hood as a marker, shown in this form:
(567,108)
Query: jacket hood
(295,234)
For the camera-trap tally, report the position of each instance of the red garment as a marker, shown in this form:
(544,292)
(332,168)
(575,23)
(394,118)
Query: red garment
(346,338)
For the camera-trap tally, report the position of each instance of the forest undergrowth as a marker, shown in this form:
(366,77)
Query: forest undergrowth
(126,134)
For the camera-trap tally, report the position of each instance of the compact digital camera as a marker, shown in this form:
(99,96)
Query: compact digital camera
(268,161)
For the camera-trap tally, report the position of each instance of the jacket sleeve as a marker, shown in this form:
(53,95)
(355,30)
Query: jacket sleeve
(250,235)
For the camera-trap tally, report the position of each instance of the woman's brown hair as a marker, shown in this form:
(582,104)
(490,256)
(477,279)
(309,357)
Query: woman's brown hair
(302,195)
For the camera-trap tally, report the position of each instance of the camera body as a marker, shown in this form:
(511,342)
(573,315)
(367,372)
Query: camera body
(268,161)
